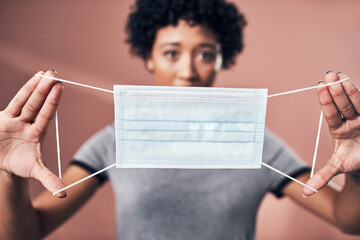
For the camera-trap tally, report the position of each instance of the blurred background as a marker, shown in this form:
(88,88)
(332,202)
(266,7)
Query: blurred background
(288,45)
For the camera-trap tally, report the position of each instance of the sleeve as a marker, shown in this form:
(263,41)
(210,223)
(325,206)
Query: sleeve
(278,155)
(96,153)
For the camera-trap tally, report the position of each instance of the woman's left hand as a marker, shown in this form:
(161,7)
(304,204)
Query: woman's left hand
(340,104)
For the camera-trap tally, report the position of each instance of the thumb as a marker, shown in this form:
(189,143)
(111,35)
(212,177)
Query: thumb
(321,178)
(49,180)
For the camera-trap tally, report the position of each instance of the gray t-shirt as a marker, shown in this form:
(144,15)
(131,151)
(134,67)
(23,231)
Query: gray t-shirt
(163,204)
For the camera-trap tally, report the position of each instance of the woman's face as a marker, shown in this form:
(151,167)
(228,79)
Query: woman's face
(185,55)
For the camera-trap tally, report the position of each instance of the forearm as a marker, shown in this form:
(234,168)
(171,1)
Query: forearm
(347,205)
(18,219)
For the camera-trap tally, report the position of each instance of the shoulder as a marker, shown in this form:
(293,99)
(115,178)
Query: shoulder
(280,156)
(104,136)
(273,145)
(100,143)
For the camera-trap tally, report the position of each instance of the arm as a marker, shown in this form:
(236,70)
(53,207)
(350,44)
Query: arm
(341,208)
(340,104)
(23,126)
(16,208)
(347,207)
(52,211)
(23,219)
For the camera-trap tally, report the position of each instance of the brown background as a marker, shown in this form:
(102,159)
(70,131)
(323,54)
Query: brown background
(289,45)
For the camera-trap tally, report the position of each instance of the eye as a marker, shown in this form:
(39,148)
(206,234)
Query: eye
(207,56)
(171,54)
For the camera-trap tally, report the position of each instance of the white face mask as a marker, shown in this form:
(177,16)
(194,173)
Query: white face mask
(180,127)
(185,127)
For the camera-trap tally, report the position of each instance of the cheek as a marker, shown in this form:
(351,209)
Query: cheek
(206,73)
(164,72)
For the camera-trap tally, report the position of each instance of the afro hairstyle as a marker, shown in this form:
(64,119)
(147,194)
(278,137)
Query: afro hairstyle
(147,16)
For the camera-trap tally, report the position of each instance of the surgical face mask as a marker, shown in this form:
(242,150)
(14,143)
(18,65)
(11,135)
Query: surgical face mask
(180,127)
(177,127)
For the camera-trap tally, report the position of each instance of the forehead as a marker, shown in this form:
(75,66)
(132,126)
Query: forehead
(184,33)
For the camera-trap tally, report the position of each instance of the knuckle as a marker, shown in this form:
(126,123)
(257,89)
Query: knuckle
(42,173)
(45,176)
(31,107)
(28,88)
(326,102)
(44,117)
(352,91)
(323,178)
(333,117)
(41,91)
(334,125)
(39,133)
(348,109)
(53,103)
(334,165)
(16,102)
(336,92)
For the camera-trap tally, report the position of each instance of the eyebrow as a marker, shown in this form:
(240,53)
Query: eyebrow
(210,45)
(170,43)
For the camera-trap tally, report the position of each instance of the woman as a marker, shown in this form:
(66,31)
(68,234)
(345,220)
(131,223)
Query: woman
(182,44)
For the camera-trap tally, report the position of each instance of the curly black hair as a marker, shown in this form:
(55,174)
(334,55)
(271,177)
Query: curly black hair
(148,16)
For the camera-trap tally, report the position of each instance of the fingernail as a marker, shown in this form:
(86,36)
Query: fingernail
(329,71)
(304,196)
(53,71)
(59,195)
(61,84)
(338,72)
(321,81)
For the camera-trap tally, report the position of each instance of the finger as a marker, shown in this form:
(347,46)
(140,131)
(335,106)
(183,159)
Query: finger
(48,179)
(352,92)
(37,98)
(49,107)
(18,102)
(330,111)
(322,177)
(340,97)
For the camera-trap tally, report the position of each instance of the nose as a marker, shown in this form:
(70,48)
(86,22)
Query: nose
(187,70)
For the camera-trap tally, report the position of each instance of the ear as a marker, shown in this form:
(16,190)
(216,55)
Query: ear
(149,65)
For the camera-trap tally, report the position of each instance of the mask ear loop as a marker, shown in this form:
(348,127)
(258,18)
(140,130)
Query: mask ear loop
(314,159)
(58,143)
(75,83)
(86,178)
(284,174)
(308,88)
(59,161)
(316,144)
(113,165)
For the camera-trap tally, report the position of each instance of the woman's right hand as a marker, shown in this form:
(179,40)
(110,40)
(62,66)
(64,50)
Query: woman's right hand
(23,126)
